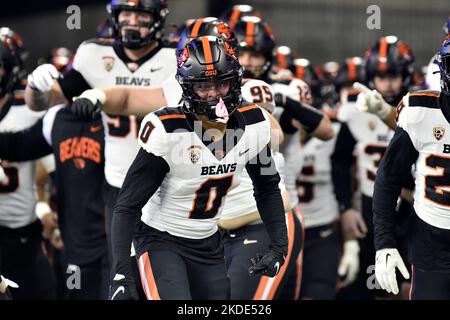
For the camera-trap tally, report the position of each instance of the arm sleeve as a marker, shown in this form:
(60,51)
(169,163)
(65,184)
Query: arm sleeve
(143,178)
(341,163)
(308,116)
(25,145)
(394,170)
(268,198)
(73,84)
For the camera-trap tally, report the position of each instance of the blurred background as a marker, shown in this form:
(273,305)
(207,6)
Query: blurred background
(319,30)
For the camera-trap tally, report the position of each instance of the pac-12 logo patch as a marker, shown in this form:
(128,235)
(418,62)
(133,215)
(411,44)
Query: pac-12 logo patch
(438,133)
(108,63)
(194,153)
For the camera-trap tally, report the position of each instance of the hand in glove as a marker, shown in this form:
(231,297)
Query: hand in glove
(267,265)
(386,260)
(89,104)
(122,288)
(372,101)
(349,264)
(43,77)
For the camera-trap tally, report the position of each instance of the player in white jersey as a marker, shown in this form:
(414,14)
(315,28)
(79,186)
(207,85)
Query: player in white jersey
(21,254)
(388,66)
(421,139)
(135,56)
(193,164)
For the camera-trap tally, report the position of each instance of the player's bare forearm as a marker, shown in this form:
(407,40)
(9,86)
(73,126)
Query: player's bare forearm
(132,100)
(39,101)
(324,130)
(390,119)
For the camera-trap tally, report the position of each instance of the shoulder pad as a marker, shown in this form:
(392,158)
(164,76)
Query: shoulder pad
(173,119)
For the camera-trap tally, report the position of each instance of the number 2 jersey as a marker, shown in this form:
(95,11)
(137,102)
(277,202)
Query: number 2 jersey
(100,64)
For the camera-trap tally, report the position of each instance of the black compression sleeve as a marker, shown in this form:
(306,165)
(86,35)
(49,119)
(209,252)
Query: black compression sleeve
(73,84)
(25,145)
(341,164)
(394,170)
(286,123)
(268,198)
(308,116)
(143,178)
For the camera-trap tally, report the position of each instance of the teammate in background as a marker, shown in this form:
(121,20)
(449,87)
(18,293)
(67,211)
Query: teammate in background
(421,140)
(388,66)
(320,209)
(20,230)
(236,12)
(217,135)
(136,58)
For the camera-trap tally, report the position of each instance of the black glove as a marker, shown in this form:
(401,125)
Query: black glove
(122,288)
(86,109)
(267,265)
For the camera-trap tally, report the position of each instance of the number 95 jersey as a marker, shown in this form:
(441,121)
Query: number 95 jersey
(190,199)
(427,124)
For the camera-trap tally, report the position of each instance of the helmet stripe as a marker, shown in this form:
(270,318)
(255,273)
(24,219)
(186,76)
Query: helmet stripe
(196,28)
(234,17)
(282,60)
(382,55)
(352,70)
(299,72)
(250,33)
(208,53)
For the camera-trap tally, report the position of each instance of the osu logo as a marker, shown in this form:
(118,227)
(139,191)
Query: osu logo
(209,73)
(80,148)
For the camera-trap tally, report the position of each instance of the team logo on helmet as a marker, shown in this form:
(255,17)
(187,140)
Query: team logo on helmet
(222,28)
(229,50)
(184,56)
(438,133)
(194,153)
(108,62)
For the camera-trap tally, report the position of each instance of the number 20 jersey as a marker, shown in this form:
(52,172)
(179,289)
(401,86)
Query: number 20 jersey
(422,118)
(103,65)
(190,199)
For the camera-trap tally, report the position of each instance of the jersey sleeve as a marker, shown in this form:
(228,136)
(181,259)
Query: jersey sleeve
(407,118)
(153,136)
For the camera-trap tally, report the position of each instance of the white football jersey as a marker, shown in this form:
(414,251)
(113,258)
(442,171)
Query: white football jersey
(101,67)
(190,199)
(429,131)
(372,137)
(314,185)
(240,201)
(18,198)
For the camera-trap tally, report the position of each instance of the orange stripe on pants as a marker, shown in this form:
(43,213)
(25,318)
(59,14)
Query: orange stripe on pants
(265,282)
(147,279)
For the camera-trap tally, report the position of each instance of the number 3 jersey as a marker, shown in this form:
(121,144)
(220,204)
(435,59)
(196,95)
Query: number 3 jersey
(190,199)
(427,124)
(99,64)
(371,137)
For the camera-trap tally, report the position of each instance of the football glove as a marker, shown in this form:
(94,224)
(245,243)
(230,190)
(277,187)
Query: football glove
(349,264)
(372,101)
(4,291)
(386,260)
(267,265)
(89,104)
(122,288)
(43,77)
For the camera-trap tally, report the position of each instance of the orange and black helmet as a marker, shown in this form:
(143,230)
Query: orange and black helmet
(253,34)
(283,60)
(207,26)
(351,71)
(12,59)
(206,60)
(389,56)
(132,39)
(236,12)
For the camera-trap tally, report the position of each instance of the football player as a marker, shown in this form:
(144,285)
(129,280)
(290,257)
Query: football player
(388,66)
(136,58)
(20,229)
(216,135)
(419,139)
